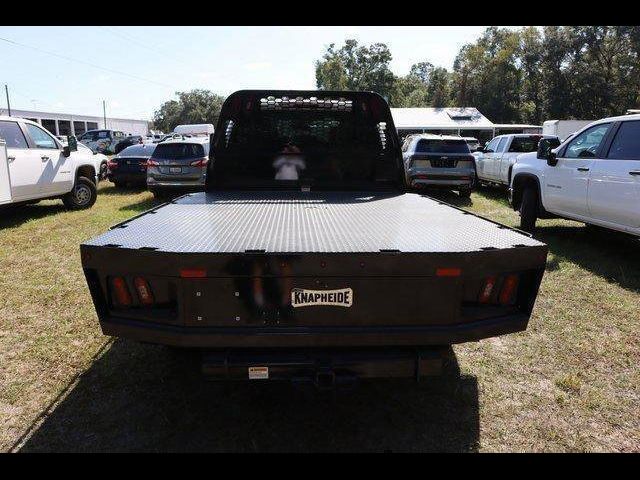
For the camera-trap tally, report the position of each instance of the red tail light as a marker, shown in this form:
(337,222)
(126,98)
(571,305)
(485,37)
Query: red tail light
(487,289)
(111,165)
(121,291)
(509,288)
(144,291)
(202,162)
(152,163)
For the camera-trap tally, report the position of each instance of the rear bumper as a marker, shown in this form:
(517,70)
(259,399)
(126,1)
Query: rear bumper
(140,178)
(441,177)
(327,337)
(155,184)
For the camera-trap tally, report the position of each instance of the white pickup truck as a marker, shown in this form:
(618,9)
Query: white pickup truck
(495,161)
(34,165)
(592,177)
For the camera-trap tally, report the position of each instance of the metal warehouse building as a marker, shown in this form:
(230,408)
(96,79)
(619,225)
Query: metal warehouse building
(70,124)
(463,121)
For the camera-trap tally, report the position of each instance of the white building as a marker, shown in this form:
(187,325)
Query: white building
(70,124)
(463,121)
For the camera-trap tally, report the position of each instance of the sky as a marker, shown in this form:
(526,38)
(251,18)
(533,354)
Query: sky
(135,69)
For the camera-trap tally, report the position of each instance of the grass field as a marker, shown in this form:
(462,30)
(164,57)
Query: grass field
(571,382)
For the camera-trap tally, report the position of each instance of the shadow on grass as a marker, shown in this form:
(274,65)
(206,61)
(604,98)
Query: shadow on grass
(495,193)
(608,254)
(111,190)
(147,398)
(448,196)
(14,216)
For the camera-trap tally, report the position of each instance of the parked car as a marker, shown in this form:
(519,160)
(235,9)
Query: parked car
(473,143)
(127,142)
(130,165)
(592,177)
(438,161)
(306,257)
(178,164)
(495,162)
(34,166)
(99,160)
(102,141)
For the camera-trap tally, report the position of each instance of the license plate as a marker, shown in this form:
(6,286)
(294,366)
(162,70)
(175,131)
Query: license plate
(175,170)
(258,373)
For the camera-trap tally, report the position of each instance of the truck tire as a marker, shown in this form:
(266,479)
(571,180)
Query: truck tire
(529,209)
(465,192)
(102,175)
(83,195)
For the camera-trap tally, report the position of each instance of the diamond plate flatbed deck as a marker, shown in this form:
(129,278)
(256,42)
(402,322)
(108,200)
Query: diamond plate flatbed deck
(310,222)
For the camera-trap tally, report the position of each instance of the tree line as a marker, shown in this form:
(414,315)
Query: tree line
(511,76)
(527,75)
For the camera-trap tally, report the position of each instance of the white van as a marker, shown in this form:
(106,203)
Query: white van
(194,129)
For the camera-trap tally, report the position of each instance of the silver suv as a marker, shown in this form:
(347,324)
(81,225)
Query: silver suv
(438,161)
(178,164)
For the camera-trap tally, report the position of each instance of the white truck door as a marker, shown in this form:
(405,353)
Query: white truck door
(57,174)
(614,192)
(484,162)
(496,160)
(566,184)
(5,184)
(25,166)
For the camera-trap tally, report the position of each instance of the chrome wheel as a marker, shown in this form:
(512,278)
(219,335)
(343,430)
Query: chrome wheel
(82,195)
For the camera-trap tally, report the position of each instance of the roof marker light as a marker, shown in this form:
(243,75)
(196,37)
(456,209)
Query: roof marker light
(448,272)
(193,273)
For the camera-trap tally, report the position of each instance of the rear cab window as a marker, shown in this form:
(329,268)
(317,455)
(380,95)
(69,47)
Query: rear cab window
(524,144)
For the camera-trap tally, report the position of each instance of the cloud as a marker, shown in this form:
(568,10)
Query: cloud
(257,65)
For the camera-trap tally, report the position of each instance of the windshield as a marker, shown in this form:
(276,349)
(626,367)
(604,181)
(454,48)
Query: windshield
(442,146)
(179,151)
(287,142)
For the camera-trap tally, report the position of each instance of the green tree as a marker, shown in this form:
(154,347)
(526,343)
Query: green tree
(354,67)
(195,106)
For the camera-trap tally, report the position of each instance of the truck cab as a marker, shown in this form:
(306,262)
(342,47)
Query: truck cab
(102,140)
(37,166)
(592,177)
(495,162)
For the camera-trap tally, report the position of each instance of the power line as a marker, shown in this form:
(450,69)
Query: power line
(129,38)
(12,42)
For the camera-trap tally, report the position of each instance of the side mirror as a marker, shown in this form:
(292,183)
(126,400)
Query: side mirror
(66,151)
(545,150)
(72,142)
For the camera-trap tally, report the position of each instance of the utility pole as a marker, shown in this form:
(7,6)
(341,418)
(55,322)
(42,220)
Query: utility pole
(104,113)
(6,89)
